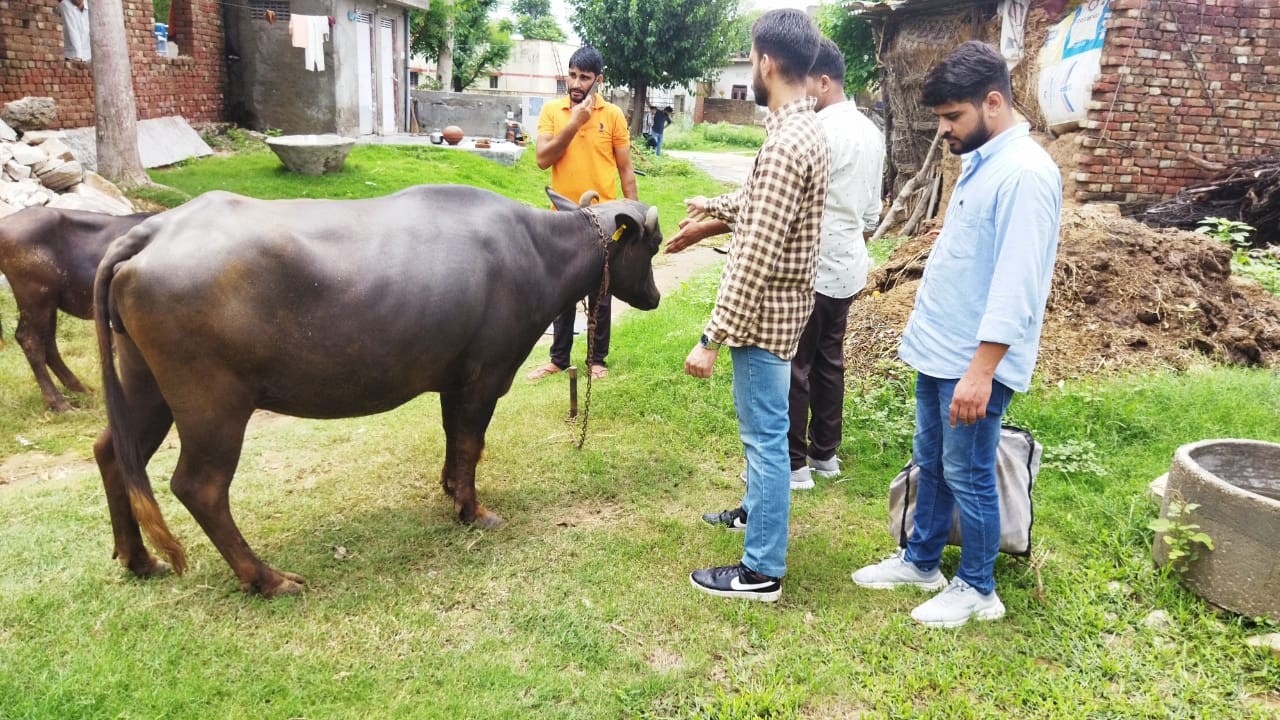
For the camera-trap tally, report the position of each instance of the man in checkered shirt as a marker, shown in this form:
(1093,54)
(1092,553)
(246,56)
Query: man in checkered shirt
(766,294)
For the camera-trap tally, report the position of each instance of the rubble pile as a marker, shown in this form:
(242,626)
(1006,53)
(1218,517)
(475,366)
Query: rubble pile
(38,168)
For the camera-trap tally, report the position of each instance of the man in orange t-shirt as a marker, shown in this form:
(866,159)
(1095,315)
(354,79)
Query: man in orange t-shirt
(584,139)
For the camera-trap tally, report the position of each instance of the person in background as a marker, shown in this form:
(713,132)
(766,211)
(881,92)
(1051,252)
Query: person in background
(584,140)
(765,295)
(661,119)
(75,29)
(974,332)
(851,215)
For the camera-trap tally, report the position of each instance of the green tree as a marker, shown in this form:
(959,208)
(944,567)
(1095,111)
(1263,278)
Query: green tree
(479,45)
(656,43)
(531,8)
(540,28)
(853,36)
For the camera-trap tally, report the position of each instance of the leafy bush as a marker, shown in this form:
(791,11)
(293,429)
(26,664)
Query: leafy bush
(713,136)
(1258,264)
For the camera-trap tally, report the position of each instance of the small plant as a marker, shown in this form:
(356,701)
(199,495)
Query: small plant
(1184,538)
(1232,232)
(1074,457)
(273,132)
(1257,264)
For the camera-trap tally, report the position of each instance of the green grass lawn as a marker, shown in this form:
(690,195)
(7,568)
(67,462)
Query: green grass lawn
(714,136)
(580,606)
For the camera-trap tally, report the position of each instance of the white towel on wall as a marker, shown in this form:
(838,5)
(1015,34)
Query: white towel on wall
(309,32)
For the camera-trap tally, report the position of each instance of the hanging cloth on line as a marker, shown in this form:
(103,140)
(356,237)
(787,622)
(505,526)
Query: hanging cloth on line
(309,32)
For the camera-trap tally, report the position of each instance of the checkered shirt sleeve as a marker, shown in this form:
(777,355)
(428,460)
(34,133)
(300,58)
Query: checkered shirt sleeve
(766,289)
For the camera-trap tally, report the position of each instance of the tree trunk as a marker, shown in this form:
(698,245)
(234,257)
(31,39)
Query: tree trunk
(115,109)
(639,93)
(444,64)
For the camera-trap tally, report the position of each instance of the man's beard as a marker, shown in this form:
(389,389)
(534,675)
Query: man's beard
(758,88)
(574,100)
(974,140)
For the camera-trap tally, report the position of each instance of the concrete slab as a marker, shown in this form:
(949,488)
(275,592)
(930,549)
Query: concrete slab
(161,141)
(499,151)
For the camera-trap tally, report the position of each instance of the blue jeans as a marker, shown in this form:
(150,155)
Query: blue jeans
(657,143)
(761,381)
(957,469)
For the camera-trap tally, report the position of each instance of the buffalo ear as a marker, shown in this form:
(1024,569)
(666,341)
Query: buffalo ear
(628,226)
(559,201)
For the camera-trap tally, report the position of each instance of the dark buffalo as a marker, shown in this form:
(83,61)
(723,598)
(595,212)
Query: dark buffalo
(328,309)
(49,257)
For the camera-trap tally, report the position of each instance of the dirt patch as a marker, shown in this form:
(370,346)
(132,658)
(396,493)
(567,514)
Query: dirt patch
(1124,295)
(28,468)
(663,660)
(589,515)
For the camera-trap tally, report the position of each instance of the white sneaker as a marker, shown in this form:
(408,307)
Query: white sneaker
(800,479)
(953,607)
(825,468)
(894,572)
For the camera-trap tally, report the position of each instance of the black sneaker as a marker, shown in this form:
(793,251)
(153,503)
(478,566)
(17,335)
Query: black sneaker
(737,581)
(735,519)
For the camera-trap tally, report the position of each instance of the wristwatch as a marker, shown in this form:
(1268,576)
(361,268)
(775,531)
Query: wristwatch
(706,343)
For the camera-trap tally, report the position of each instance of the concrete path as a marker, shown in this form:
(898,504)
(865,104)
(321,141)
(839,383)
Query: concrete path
(731,167)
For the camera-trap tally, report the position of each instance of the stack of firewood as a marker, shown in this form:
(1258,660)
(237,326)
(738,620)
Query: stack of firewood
(1247,191)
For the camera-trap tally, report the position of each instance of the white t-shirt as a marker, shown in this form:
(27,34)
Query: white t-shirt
(853,199)
(75,30)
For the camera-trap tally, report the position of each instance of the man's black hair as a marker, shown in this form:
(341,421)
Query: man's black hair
(969,74)
(587,59)
(790,38)
(830,62)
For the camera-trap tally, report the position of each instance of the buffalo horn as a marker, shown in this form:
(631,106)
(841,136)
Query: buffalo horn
(651,221)
(588,197)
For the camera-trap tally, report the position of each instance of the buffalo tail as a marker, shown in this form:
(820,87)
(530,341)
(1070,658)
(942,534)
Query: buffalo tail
(123,435)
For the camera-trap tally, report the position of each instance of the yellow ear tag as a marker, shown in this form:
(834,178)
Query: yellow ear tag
(618,233)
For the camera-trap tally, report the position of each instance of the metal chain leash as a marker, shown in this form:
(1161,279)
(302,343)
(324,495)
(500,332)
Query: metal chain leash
(592,318)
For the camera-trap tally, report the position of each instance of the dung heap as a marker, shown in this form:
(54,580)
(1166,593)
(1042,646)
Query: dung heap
(1124,296)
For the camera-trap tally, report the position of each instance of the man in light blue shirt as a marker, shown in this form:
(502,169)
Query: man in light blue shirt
(974,332)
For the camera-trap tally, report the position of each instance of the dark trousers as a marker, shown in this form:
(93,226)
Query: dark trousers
(562,333)
(817,382)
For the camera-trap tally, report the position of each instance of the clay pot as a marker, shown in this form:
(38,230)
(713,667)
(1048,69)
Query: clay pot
(453,134)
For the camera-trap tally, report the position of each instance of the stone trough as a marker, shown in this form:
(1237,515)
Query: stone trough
(312,154)
(1236,484)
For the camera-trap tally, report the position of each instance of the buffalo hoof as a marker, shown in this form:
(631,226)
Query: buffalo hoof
(148,567)
(487,520)
(59,406)
(276,583)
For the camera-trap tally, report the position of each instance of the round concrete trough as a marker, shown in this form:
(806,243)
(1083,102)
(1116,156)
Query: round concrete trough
(312,154)
(1236,483)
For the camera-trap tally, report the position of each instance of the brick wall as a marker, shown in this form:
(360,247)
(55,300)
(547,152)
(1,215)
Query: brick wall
(191,85)
(1180,78)
(738,112)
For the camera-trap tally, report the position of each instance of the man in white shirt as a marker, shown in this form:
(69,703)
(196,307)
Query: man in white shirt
(75,29)
(852,212)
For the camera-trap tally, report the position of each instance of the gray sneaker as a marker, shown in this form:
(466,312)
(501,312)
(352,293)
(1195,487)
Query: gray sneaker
(825,468)
(953,607)
(801,479)
(894,572)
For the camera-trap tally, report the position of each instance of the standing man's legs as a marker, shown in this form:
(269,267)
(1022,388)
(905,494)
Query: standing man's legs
(817,387)
(562,337)
(957,468)
(760,381)
(657,144)
(604,324)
